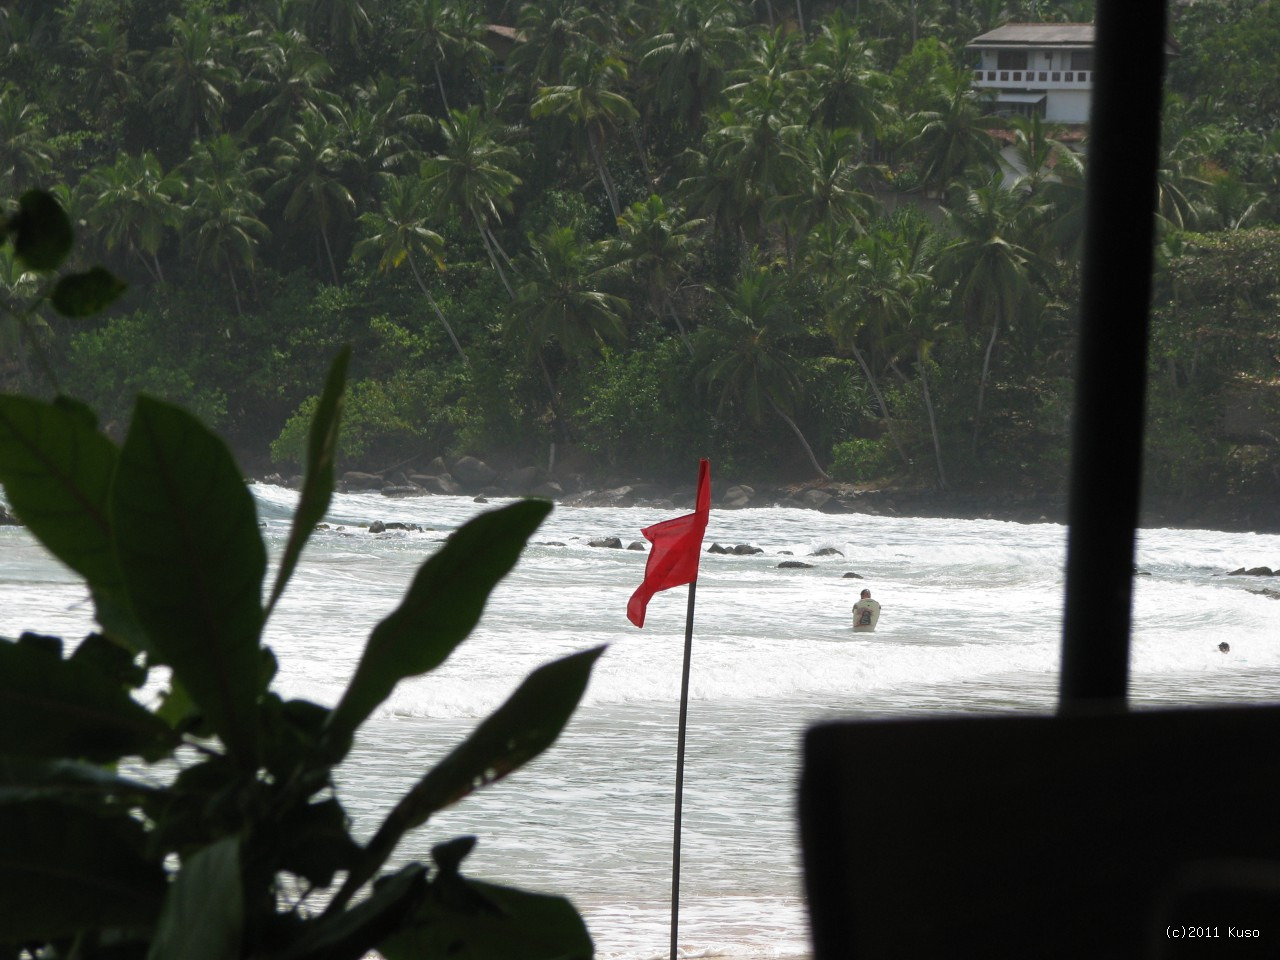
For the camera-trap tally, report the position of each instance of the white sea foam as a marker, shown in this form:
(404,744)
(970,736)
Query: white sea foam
(971,620)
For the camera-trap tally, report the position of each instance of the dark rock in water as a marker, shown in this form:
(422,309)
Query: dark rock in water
(355,480)
(474,473)
(827,552)
(7,519)
(480,500)
(853,576)
(716,548)
(795,565)
(1267,592)
(1253,572)
(377,527)
(442,484)
(785,553)
(524,480)
(635,545)
(398,525)
(547,490)
(737,497)
(613,543)
(814,499)
(746,550)
(274,479)
(410,490)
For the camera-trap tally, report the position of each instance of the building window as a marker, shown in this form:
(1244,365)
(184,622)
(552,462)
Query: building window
(1081,59)
(1011,59)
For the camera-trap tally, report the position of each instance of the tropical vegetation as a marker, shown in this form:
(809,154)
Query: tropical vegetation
(786,236)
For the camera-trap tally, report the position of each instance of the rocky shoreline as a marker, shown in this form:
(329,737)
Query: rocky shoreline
(470,476)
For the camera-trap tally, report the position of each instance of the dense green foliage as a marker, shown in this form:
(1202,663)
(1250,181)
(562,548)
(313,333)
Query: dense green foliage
(782,235)
(220,861)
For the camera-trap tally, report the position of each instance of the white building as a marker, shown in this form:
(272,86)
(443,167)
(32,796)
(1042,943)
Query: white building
(1044,68)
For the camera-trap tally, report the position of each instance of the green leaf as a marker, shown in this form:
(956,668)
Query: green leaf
(84,294)
(203,916)
(351,934)
(56,469)
(193,563)
(483,921)
(64,871)
(317,490)
(444,603)
(523,727)
(50,707)
(23,780)
(42,230)
(314,843)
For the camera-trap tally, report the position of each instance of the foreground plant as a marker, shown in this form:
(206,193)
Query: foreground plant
(247,851)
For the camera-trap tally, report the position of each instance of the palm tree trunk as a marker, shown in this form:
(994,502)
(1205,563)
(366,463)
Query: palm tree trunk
(436,307)
(493,256)
(982,383)
(799,436)
(671,308)
(328,252)
(609,189)
(884,407)
(933,423)
(435,65)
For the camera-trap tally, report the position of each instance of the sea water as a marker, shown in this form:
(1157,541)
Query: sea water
(971,621)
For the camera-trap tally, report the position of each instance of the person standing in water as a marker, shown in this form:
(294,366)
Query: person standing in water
(866,612)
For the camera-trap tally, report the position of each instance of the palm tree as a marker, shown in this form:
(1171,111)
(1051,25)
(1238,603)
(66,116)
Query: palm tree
(474,177)
(312,162)
(223,230)
(108,68)
(560,299)
(825,185)
(990,264)
(550,32)
(445,32)
(192,74)
(951,139)
(1036,154)
(846,88)
(290,75)
(343,23)
(395,231)
(134,204)
(26,156)
(653,246)
(687,56)
(743,357)
(587,99)
(20,322)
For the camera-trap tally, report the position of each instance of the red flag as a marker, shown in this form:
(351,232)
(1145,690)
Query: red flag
(673,561)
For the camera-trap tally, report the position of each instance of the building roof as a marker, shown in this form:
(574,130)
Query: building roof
(1037,35)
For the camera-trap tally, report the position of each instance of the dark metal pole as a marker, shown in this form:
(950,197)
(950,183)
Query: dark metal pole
(684,713)
(1111,379)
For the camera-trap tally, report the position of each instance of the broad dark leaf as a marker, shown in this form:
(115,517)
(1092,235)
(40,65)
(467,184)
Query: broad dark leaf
(64,871)
(23,780)
(527,724)
(351,934)
(203,915)
(56,469)
(51,707)
(314,842)
(193,564)
(483,921)
(317,490)
(42,231)
(442,606)
(84,294)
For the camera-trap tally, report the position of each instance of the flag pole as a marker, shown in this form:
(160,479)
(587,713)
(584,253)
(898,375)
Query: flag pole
(684,713)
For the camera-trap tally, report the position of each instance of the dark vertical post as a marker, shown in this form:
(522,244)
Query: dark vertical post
(684,713)
(1106,467)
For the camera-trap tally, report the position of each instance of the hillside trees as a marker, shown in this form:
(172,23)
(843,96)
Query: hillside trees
(274,162)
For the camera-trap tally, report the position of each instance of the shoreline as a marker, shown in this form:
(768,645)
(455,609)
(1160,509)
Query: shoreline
(469,476)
